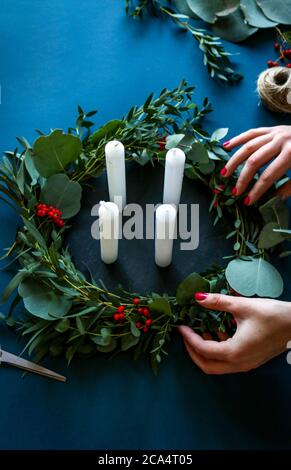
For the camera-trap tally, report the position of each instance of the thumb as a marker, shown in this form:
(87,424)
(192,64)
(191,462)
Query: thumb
(223,303)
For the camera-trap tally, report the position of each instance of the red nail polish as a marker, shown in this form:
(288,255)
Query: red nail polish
(200,295)
(226,144)
(223,171)
(247,201)
(234,191)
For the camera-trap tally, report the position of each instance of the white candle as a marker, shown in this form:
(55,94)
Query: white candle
(115,166)
(174,172)
(166,216)
(109,227)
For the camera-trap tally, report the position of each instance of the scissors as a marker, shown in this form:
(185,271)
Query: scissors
(16,361)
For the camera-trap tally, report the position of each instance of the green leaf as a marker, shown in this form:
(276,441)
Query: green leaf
(35,233)
(207,10)
(80,325)
(13,284)
(41,301)
(173,141)
(183,8)
(63,325)
(219,133)
(30,167)
(54,152)
(236,246)
(254,277)
(128,341)
(233,27)
(109,347)
(198,153)
(279,11)
(268,238)
(61,192)
(275,210)
(207,168)
(107,131)
(134,330)
(160,306)
(254,15)
(187,288)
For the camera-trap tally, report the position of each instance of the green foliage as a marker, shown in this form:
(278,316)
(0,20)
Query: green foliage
(254,277)
(187,288)
(54,152)
(61,192)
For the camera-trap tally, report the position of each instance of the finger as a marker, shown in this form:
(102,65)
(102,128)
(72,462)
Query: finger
(269,176)
(254,163)
(209,366)
(285,191)
(207,349)
(245,137)
(245,152)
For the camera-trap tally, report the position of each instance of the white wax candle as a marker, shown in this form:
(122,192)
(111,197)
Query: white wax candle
(115,166)
(174,172)
(166,216)
(109,227)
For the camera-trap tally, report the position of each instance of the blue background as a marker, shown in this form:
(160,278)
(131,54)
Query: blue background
(55,54)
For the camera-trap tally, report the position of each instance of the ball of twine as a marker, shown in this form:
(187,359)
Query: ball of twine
(274,88)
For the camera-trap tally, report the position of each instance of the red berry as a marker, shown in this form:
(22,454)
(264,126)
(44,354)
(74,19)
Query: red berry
(288,66)
(146,312)
(221,187)
(135,301)
(121,316)
(59,223)
(140,310)
(277,45)
(145,329)
(40,213)
(120,309)
(116,316)
(138,324)
(162,143)
(216,191)
(148,322)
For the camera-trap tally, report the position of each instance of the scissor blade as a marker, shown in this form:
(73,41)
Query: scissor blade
(21,363)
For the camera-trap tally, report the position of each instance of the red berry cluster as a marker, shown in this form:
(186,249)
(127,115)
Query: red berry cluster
(119,315)
(217,191)
(284,57)
(162,143)
(50,212)
(145,320)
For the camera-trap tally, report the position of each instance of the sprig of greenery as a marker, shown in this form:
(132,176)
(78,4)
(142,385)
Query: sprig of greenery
(215,58)
(69,313)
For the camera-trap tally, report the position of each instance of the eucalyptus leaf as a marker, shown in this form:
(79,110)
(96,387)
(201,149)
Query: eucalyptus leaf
(41,301)
(207,10)
(233,27)
(30,167)
(61,192)
(107,131)
(128,341)
(275,210)
(219,133)
(278,10)
(173,141)
(161,306)
(182,7)
(187,288)
(198,153)
(254,15)
(54,152)
(254,277)
(268,238)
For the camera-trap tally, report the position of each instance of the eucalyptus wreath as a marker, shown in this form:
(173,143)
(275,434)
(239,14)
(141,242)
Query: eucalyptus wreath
(65,311)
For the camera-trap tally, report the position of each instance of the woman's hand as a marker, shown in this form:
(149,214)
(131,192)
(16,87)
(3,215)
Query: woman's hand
(259,146)
(263,331)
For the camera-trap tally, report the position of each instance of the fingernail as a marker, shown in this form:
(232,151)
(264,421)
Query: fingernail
(234,191)
(223,171)
(226,144)
(200,295)
(247,201)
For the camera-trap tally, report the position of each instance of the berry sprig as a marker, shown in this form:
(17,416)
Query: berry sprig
(217,191)
(51,213)
(284,56)
(119,315)
(143,320)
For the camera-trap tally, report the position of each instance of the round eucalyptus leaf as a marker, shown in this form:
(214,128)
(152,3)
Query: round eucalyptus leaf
(268,238)
(187,288)
(208,10)
(61,192)
(52,153)
(276,10)
(233,27)
(254,277)
(254,15)
(41,301)
(183,7)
